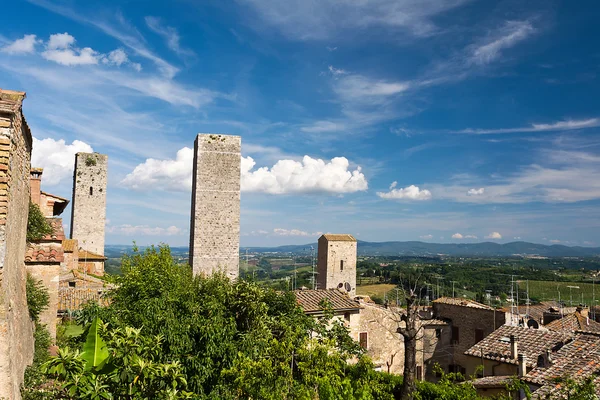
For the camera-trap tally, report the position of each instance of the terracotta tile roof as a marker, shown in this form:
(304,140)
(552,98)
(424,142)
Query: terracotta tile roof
(43,253)
(85,255)
(69,245)
(530,342)
(53,195)
(576,360)
(310,300)
(58,232)
(339,237)
(459,301)
(492,381)
(574,323)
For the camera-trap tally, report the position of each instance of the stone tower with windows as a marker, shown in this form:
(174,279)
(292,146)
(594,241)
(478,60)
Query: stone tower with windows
(88,214)
(336,264)
(215,216)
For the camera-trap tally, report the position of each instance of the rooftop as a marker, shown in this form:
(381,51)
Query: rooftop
(43,253)
(460,301)
(58,233)
(492,381)
(530,342)
(574,323)
(85,255)
(69,245)
(310,300)
(344,237)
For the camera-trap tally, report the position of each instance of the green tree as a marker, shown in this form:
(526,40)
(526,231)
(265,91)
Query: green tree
(37,226)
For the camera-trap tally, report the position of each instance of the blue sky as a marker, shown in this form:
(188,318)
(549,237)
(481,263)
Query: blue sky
(445,121)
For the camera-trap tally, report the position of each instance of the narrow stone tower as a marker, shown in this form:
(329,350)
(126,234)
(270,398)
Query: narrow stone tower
(336,263)
(88,215)
(215,216)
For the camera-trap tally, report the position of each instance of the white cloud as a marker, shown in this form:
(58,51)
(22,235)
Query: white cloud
(144,230)
(512,33)
(117,57)
(307,176)
(153,174)
(286,176)
(336,71)
(494,235)
(411,192)
(426,237)
(57,158)
(470,237)
(26,45)
(60,41)
(323,126)
(588,243)
(554,241)
(565,125)
(294,232)
(362,89)
(475,192)
(169,33)
(517,238)
(322,19)
(60,49)
(457,236)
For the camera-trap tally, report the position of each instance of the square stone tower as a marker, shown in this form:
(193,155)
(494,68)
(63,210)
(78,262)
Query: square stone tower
(336,263)
(88,215)
(215,216)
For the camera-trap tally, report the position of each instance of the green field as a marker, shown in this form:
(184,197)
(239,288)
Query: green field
(548,290)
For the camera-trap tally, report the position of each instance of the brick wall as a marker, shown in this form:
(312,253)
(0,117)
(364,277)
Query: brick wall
(88,218)
(16,329)
(49,275)
(215,216)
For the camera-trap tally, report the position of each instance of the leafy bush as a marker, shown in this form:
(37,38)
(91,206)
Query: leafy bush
(37,226)
(37,297)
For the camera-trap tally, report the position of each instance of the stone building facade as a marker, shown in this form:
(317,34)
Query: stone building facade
(336,262)
(215,215)
(88,218)
(469,322)
(16,328)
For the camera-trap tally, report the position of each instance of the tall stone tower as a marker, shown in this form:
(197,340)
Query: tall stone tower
(88,216)
(336,264)
(215,216)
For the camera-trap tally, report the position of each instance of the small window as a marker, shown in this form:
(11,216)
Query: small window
(438,333)
(347,316)
(91,191)
(363,340)
(71,284)
(341,265)
(455,332)
(541,362)
(478,335)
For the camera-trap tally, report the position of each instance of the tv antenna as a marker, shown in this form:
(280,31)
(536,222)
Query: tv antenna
(571,293)
(314,278)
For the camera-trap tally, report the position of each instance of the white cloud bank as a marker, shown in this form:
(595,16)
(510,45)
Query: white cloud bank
(294,232)
(57,158)
(411,192)
(426,237)
(457,236)
(286,176)
(565,125)
(510,34)
(26,45)
(475,192)
(494,235)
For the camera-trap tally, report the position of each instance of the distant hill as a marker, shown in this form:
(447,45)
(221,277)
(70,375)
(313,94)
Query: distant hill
(485,249)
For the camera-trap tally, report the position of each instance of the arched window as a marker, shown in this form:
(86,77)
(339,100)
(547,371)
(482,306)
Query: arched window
(91,191)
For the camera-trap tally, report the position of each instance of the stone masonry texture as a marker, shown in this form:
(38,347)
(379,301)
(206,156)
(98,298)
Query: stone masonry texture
(331,272)
(88,217)
(215,216)
(16,328)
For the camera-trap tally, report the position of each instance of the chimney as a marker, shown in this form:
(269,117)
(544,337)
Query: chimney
(513,347)
(35,183)
(522,365)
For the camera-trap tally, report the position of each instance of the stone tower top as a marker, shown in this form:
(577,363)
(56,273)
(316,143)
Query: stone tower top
(336,263)
(215,216)
(88,216)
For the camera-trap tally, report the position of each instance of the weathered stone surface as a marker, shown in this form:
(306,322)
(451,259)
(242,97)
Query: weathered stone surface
(337,263)
(16,329)
(215,217)
(48,273)
(88,218)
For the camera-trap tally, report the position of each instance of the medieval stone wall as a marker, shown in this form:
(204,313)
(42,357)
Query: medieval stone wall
(215,216)
(88,218)
(16,328)
(336,264)
(49,275)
